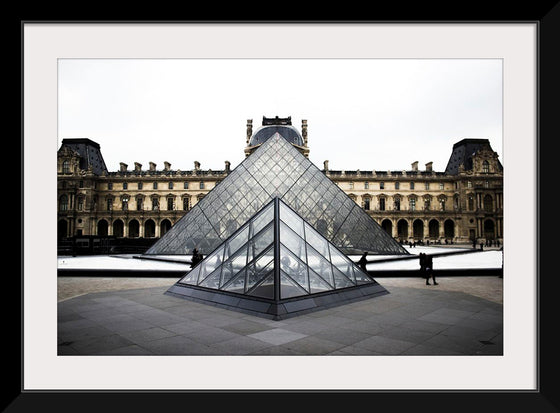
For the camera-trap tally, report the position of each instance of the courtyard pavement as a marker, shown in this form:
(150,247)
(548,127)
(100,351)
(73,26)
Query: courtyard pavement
(118,316)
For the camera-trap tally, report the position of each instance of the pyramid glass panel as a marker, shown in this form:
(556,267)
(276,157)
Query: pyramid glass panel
(318,243)
(317,284)
(294,243)
(276,169)
(294,268)
(265,288)
(236,284)
(290,288)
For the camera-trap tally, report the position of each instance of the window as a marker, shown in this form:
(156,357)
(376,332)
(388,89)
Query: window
(125,185)
(201,185)
(140,185)
(170,204)
(80,203)
(441,186)
(109,204)
(186,203)
(155,185)
(64,203)
(471,203)
(382,204)
(442,204)
(109,186)
(397,185)
(469,184)
(366,203)
(125,203)
(155,203)
(486,184)
(366,185)
(81,184)
(412,185)
(427,203)
(381,185)
(351,185)
(186,185)
(170,186)
(488,203)
(485,167)
(65,167)
(139,203)
(397,204)
(427,186)
(412,204)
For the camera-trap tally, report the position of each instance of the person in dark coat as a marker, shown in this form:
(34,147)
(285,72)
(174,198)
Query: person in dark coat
(422,259)
(430,270)
(363,261)
(196,258)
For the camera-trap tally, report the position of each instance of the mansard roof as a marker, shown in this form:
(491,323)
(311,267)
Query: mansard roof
(89,152)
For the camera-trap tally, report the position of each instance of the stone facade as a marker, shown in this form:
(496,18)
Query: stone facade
(462,204)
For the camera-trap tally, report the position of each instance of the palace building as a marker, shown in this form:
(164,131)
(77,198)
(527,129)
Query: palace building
(461,204)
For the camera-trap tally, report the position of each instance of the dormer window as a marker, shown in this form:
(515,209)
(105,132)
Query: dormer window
(485,167)
(66,167)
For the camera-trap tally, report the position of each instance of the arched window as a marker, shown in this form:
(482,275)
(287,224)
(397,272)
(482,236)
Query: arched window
(66,167)
(149,229)
(485,167)
(134,229)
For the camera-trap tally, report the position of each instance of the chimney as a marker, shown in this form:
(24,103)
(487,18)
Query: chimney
(304,131)
(123,167)
(326,165)
(152,166)
(196,165)
(227,166)
(249,129)
(167,166)
(137,166)
(429,167)
(415,165)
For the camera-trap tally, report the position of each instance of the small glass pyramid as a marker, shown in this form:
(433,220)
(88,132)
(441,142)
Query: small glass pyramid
(276,258)
(276,169)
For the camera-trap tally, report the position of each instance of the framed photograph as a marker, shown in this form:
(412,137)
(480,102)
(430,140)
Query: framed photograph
(224,52)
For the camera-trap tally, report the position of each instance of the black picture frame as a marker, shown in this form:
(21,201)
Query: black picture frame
(544,399)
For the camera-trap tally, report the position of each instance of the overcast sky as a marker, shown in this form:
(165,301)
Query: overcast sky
(362,113)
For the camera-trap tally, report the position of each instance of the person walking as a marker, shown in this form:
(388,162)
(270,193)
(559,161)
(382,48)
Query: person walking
(363,261)
(430,270)
(196,258)
(423,273)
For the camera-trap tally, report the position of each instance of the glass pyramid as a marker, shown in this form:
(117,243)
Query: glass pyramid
(276,258)
(276,169)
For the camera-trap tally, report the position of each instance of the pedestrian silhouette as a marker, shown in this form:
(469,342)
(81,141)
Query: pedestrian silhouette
(196,258)
(422,259)
(430,270)
(363,261)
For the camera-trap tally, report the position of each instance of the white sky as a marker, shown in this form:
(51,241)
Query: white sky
(362,113)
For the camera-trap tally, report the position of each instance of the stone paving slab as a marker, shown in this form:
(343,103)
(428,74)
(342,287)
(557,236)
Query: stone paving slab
(414,320)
